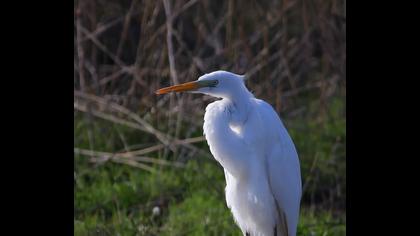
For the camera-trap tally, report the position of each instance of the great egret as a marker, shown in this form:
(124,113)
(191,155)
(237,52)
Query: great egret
(247,137)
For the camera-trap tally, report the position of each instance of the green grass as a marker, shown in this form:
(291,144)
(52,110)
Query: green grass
(117,199)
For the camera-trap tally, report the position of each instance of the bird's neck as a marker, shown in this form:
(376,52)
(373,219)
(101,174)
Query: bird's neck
(239,104)
(222,140)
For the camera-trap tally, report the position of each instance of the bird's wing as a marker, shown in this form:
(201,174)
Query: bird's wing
(283,170)
(281,226)
(285,184)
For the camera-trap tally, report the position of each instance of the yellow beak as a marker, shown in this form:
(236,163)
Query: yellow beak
(188,86)
(179,88)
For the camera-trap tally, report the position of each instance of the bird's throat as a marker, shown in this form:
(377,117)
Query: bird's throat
(239,112)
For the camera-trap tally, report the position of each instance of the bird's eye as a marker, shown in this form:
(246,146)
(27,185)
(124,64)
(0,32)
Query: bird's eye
(213,83)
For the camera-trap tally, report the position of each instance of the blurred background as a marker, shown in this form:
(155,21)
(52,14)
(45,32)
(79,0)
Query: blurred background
(142,165)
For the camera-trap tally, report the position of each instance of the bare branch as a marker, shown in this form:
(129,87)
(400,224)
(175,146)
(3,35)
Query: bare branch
(169,44)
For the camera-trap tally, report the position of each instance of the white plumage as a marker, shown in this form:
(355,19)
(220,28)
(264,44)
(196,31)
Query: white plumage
(248,139)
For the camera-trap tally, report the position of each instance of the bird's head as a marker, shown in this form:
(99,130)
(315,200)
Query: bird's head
(221,84)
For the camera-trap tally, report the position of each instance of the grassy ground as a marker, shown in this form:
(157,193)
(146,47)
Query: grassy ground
(119,199)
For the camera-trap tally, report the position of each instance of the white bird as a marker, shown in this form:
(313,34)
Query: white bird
(248,139)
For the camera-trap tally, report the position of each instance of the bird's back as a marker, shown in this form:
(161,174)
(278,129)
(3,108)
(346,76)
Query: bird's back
(283,168)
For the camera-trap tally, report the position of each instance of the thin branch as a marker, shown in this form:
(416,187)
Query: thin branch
(167,140)
(184,8)
(126,24)
(103,47)
(80,51)
(169,44)
(107,156)
(108,117)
